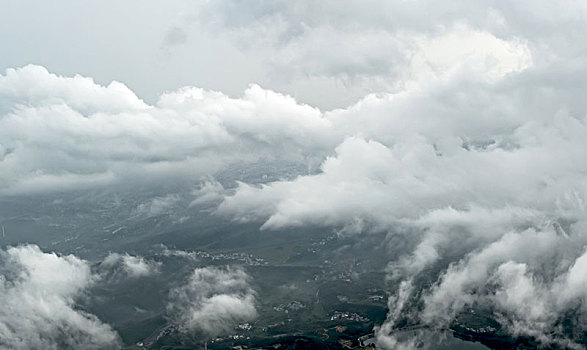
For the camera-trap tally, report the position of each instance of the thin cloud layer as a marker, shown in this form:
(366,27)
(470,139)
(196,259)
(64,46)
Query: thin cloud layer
(37,293)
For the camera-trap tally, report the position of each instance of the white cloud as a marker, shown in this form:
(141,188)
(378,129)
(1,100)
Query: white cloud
(476,51)
(157,206)
(209,192)
(69,141)
(37,293)
(466,162)
(133,266)
(370,180)
(371,47)
(34,85)
(509,275)
(212,301)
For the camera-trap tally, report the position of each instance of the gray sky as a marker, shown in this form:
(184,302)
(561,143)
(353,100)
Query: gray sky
(328,54)
(121,40)
(151,46)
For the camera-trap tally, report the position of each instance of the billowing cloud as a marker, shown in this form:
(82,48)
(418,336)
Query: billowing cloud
(37,293)
(465,163)
(528,297)
(66,133)
(516,203)
(385,185)
(213,301)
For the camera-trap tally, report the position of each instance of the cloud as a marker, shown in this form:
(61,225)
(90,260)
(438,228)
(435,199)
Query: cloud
(502,202)
(72,133)
(60,133)
(212,301)
(461,162)
(468,134)
(34,85)
(209,192)
(530,298)
(38,292)
(157,206)
(382,184)
(346,41)
(132,266)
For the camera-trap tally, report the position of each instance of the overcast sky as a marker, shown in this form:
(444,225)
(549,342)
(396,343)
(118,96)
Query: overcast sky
(152,46)
(327,53)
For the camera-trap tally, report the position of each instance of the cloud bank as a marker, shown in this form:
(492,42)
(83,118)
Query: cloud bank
(61,133)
